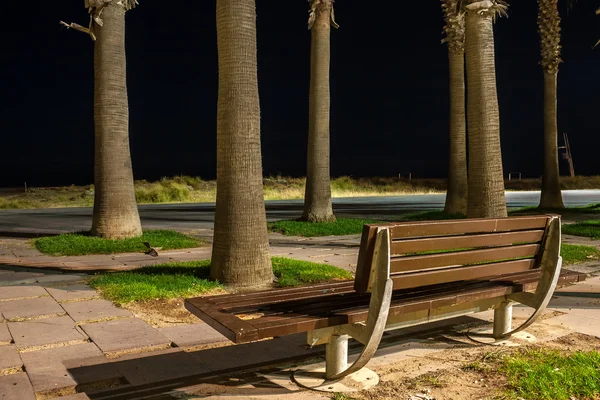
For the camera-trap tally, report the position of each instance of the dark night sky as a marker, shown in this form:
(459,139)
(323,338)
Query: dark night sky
(388,82)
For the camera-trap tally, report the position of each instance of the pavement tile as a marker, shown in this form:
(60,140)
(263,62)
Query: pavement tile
(16,386)
(92,310)
(265,352)
(577,323)
(19,291)
(192,335)
(590,285)
(124,335)
(18,277)
(59,279)
(576,305)
(69,366)
(45,332)
(28,308)
(5,337)
(9,358)
(87,265)
(158,366)
(72,292)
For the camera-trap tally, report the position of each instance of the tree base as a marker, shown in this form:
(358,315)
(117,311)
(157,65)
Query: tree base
(318,218)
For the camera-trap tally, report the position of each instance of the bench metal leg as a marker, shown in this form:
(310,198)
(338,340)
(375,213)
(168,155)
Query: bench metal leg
(502,319)
(336,355)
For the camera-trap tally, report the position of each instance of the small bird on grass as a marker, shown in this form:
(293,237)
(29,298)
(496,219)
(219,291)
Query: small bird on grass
(151,251)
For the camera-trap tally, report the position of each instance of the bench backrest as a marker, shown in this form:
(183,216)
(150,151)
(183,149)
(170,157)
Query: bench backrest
(434,252)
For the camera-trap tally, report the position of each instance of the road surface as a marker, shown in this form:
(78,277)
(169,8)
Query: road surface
(201,216)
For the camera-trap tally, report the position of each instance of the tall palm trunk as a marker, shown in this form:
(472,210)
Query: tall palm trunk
(240,256)
(115,209)
(456,196)
(317,197)
(486,182)
(549,28)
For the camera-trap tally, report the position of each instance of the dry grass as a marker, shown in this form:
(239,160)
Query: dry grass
(186,189)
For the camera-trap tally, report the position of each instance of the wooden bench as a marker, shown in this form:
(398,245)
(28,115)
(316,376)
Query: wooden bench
(408,273)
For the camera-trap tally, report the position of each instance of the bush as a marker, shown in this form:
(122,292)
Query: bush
(162,192)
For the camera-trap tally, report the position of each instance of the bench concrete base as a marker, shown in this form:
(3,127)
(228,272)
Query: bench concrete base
(315,380)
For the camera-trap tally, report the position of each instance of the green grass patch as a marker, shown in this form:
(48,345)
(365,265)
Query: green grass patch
(292,272)
(77,244)
(348,226)
(551,375)
(162,281)
(589,229)
(343,226)
(191,278)
(588,209)
(429,216)
(575,253)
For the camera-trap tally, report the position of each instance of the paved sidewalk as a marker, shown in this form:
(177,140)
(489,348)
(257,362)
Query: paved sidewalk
(341,251)
(58,338)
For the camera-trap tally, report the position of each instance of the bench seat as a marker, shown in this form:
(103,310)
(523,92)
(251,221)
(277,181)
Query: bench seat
(253,316)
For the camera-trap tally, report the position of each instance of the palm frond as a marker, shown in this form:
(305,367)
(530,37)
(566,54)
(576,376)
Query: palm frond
(497,8)
(454,28)
(319,6)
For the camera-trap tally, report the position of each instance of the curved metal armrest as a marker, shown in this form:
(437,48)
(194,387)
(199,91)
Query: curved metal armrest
(551,264)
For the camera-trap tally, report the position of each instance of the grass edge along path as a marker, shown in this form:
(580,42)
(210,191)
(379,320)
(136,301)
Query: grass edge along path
(348,226)
(191,278)
(541,374)
(81,243)
(590,228)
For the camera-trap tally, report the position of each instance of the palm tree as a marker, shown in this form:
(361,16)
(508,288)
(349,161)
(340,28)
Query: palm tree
(317,197)
(115,210)
(486,182)
(456,196)
(240,255)
(549,28)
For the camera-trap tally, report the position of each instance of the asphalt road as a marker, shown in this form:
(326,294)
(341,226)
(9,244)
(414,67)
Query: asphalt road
(201,216)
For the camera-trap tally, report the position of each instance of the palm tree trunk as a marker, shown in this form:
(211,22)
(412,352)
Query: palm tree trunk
(456,196)
(551,195)
(486,182)
(317,198)
(115,209)
(549,29)
(240,255)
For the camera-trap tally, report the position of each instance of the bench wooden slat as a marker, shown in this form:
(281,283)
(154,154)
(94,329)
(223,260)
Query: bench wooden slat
(226,324)
(451,233)
(329,286)
(263,328)
(458,258)
(336,304)
(269,297)
(452,227)
(465,241)
(465,273)
(358,313)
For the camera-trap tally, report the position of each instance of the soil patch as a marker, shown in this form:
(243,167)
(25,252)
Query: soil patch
(460,373)
(161,313)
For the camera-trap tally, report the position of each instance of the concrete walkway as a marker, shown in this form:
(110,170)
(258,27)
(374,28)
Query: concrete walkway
(58,338)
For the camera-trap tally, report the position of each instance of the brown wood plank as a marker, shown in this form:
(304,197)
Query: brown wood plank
(423,262)
(399,307)
(227,324)
(274,297)
(365,257)
(239,297)
(465,241)
(453,227)
(331,305)
(461,273)
(298,322)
